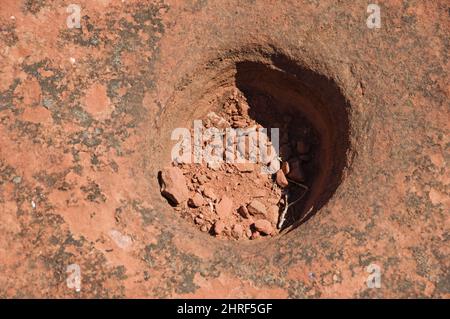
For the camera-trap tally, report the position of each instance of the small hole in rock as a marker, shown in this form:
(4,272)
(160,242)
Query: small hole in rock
(245,194)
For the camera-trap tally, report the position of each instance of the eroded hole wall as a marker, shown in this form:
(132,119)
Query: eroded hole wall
(309,99)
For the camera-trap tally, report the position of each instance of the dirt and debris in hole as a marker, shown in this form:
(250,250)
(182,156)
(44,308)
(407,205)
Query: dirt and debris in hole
(237,200)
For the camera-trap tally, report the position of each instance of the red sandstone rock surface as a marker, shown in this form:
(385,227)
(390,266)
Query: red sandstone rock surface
(85,122)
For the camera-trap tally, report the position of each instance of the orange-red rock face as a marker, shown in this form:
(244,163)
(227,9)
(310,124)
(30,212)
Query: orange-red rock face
(83,113)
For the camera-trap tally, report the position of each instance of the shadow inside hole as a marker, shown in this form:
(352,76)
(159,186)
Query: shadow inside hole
(311,108)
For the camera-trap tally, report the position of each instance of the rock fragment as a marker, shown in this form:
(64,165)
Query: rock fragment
(237,231)
(245,167)
(257,209)
(224,207)
(263,226)
(243,108)
(173,185)
(255,235)
(273,213)
(202,179)
(196,201)
(281,179)
(209,192)
(239,123)
(199,220)
(243,211)
(219,227)
(260,193)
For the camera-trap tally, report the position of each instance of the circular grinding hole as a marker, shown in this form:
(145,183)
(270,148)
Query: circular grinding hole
(237,201)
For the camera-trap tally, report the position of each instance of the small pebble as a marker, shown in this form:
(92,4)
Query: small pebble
(263,226)
(237,231)
(208,192)
(255,235)
(281,179)
(196,201)
(219,227)
(243,211)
